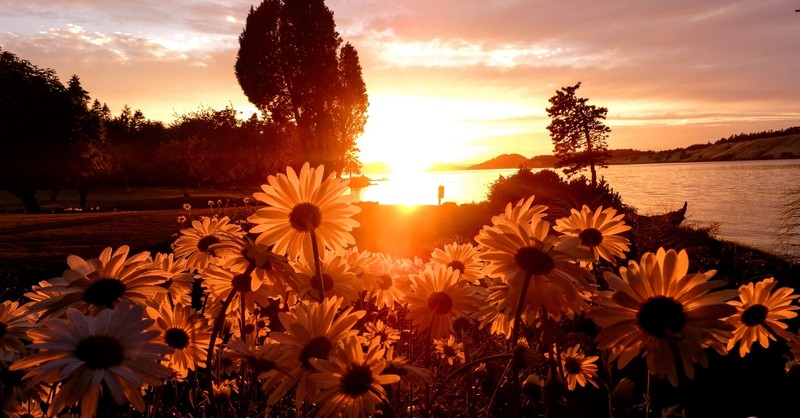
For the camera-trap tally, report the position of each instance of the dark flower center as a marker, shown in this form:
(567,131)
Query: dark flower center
(661,317)
(249,328)
(305,217)
(440,302)
(385,282)
(534,261)
(104,292)
(206,242)
(572,365)
(319,347)
(326,282)
(99,351)
(591,237)
(457,265)
(754,315)
(176,338)
(449,351)
(357,380)
(260,365)
(3,329)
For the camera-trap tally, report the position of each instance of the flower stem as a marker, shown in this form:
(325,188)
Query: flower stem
(515,333)
(218,321)
(520,306)
(317,265)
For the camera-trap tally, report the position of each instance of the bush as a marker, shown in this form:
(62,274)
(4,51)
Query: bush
(553,191)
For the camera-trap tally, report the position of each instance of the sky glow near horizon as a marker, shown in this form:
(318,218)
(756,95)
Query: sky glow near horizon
(453,81)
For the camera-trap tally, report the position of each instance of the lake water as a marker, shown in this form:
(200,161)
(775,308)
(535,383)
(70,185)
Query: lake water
(744,197)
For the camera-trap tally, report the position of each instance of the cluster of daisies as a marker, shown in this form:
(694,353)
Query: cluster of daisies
(286,310)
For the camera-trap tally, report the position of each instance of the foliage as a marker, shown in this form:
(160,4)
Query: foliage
(551,190)
(789,224)
(578,132)
(215,148)
(794,130)
(475,370)
(40,123)
(292,66)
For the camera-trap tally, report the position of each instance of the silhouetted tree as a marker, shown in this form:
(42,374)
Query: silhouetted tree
(215,148)
(292,66)
(37,118)
(352,114)
(91,158)
(134,141)
(578,132)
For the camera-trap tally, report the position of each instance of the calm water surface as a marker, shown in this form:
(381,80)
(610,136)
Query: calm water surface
(744,197)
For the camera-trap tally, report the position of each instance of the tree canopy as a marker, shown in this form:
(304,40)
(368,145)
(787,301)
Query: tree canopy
(293,67)
(578,132)
(49,132)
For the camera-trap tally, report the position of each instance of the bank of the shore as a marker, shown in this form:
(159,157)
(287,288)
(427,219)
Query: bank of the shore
(35,247)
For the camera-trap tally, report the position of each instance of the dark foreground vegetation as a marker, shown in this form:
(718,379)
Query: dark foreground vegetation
(34,248)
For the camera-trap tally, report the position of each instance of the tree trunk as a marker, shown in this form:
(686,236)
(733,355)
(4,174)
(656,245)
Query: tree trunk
(589,152)
(28,198)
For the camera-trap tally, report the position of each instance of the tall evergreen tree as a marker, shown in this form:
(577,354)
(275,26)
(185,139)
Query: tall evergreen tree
(91,158)
(578,132)
(292,66)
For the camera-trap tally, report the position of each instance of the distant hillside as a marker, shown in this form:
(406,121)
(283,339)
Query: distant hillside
(501,161)
(780,147)
(759,146)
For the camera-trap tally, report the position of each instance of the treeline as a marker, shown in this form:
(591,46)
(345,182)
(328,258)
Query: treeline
(741,137)
(56,136)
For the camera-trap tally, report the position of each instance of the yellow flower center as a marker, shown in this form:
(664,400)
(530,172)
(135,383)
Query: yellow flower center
(305,217)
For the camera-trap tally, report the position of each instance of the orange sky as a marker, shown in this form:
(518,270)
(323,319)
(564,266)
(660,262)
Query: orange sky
(453,80)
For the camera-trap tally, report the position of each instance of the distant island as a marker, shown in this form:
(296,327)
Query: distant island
(768,145)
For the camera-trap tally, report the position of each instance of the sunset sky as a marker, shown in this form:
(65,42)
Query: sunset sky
(453,80)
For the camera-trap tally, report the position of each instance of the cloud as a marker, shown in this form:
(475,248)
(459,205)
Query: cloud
(681,66)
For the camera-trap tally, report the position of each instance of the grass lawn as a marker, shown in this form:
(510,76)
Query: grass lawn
(35,247)
(119,199)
